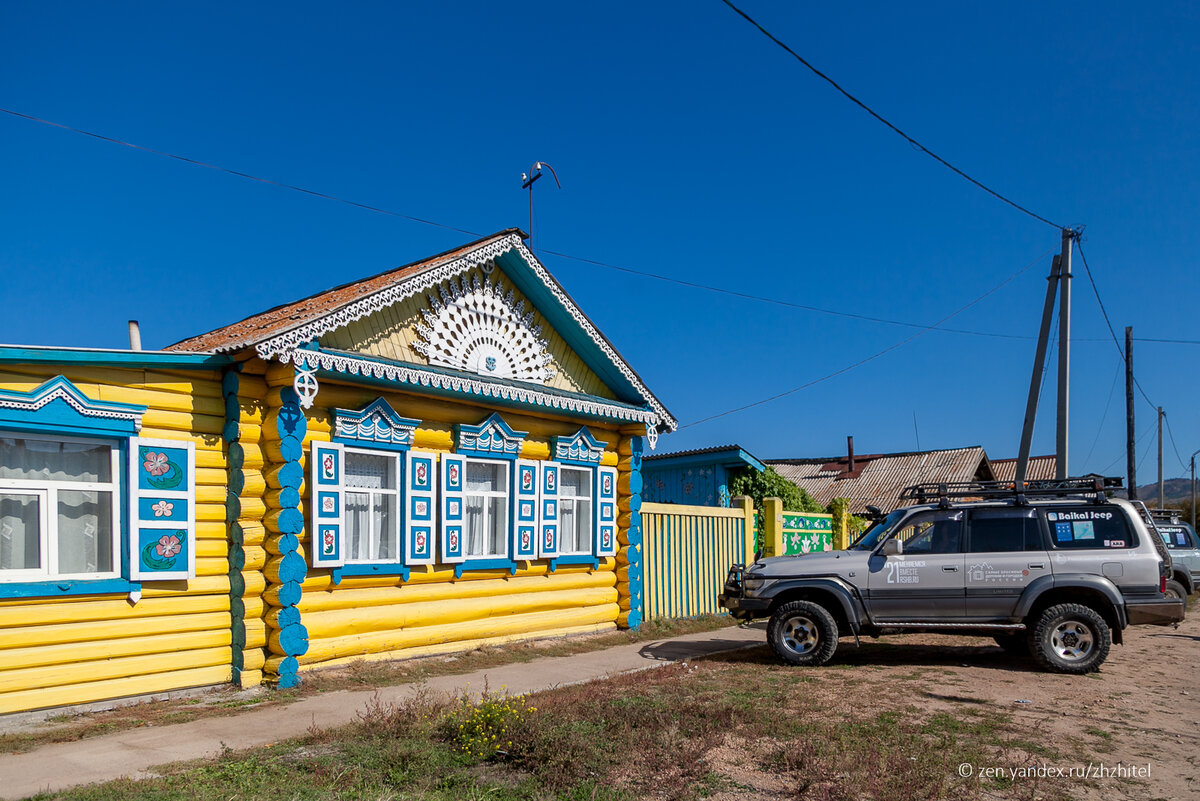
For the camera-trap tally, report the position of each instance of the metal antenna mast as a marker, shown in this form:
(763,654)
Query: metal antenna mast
(528,179)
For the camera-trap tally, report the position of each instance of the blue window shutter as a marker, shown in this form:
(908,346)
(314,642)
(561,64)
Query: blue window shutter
(162,509)
(420,501)
(606,512)
(326,492)
(525,510)
(548,509)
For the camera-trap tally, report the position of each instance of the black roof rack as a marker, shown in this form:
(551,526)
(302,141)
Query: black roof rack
(1098,486)
(1167,515)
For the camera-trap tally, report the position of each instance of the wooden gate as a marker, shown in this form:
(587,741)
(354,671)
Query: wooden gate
(687,551)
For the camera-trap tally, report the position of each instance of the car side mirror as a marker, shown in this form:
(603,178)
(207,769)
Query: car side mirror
(893,547)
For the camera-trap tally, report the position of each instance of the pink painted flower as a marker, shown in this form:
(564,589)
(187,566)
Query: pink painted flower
(156,463)
(163,509)
(168,546)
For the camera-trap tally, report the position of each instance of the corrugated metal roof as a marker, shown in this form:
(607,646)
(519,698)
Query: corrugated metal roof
(878,479)
(1039,467)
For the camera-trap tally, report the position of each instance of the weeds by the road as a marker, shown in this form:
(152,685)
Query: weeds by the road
(733,726)
(357,675)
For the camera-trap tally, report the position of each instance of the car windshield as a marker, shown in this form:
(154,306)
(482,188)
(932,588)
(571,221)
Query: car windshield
(876,532)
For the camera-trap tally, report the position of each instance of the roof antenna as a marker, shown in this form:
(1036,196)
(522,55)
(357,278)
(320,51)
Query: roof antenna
(527,181)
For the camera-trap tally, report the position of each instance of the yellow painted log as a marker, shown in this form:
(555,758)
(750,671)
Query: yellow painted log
(410,593)
(201,585)
(113,688)
(255,557)
(15,658)
(12,681)
(31,636)
(210,459)
(166,401)
(210,512)
(252,508)
(345,622)
(211,530)
(253,659)
(253,484)
(212,566)
(253,456)
(250,678)
(333,648)
(184,421)
(206,548)
(461,645)
(93,381)
(209,494)
(254,608)
(256,633)
(434,439)
(82,610)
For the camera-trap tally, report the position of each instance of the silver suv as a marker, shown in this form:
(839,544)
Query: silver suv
(1055,569)
(1181,541)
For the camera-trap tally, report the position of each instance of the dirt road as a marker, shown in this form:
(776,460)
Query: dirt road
(1142,709)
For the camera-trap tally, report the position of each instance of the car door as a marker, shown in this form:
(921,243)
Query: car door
(1006,552)
(926,581)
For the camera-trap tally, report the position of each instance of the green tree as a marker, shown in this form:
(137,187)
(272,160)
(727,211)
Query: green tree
(769,484)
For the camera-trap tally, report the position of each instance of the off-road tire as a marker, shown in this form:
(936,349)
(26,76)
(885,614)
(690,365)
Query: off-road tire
(1070,638)
(1015,644)
(803,633)
(1176,590)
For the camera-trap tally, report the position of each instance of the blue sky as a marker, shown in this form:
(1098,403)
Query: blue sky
(688,145)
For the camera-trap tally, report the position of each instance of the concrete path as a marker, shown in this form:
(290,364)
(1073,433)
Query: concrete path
(131,753)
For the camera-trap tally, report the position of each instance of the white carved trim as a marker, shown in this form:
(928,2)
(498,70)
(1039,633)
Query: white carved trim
(579,447)
(280,346)
(652,437)
(305,385)
(76,400)
(474,326)
(377,422)
(492,437)
(421,378)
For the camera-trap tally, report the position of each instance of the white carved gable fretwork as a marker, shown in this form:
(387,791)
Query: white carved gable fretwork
(376,423)
(579,448)
(492,437)
(473,325)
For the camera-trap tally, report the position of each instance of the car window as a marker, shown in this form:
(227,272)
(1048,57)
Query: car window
(1103,527)
(1003,531)
(1178,536)
(932,533)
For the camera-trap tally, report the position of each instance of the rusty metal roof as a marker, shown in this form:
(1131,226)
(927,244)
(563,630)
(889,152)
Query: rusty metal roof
(878,479)
(280,319)
(1039,467)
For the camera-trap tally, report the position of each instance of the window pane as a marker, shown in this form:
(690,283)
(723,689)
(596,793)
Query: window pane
(568,523)
(20,534)
(575,483)
(385,522)
(367,471)
(998,534)
(1085,527)
(84,532)
(497,526)
(358,525)
(485,477)
(474,525)
(45,460)
(583,537)
(932,534)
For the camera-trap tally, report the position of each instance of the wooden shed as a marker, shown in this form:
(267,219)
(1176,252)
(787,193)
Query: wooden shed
(441,456)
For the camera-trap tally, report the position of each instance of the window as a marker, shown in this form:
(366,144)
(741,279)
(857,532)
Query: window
(1004,531)
(372,522)
(932,533)
(485,502)
(1085,527)
(58,508)
(1177,536)
(575,510)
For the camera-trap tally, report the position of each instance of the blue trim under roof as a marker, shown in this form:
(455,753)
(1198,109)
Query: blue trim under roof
(732,456)
(99,357)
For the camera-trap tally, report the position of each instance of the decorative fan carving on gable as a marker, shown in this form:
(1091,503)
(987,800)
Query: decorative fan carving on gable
(472,325)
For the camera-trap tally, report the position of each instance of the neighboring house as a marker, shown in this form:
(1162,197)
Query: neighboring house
(878,479)
(1039,467)
(442,456)
(698,477)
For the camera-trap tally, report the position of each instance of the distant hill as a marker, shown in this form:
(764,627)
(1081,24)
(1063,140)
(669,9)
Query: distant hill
(1175,490)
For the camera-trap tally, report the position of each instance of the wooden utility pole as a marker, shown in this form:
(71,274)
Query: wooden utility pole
(1160,477)
(1130,440)
(1035,380)
(1064,353)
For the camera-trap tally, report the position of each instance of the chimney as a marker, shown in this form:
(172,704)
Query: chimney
(135,335)
(850,452)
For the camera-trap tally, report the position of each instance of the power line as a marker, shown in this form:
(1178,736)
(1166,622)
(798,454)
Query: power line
(1175,447)
(1136,443)
(241,174)
(1107,322)
(861,362)
(1104,416)
(880,117)
(645,274)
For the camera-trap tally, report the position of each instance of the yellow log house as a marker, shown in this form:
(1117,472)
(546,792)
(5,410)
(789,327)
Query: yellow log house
(438,457)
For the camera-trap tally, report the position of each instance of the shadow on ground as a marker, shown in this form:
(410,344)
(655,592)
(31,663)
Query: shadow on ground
(891,654)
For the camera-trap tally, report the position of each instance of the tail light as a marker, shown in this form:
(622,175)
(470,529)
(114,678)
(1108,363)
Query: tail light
(1162,583)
